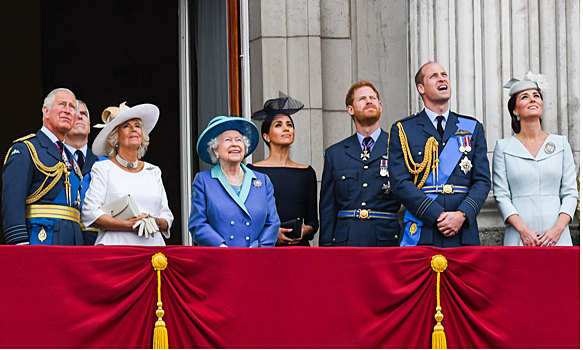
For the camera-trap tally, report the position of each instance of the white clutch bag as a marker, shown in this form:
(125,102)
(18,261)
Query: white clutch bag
(123,208)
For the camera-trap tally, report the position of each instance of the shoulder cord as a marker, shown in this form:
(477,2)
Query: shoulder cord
(56,172)
(431,153)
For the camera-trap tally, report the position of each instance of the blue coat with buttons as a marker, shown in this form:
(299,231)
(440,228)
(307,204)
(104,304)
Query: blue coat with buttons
(418,129)
(220,216)
(350,183)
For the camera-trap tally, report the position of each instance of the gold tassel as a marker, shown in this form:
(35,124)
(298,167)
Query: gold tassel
(438,264)
(160,341)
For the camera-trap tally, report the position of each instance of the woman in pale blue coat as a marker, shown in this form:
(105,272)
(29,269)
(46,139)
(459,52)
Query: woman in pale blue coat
(232,206)
(534,173)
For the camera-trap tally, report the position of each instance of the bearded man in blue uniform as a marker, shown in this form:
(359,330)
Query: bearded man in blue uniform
(438,168)
(356,206)
(41,180)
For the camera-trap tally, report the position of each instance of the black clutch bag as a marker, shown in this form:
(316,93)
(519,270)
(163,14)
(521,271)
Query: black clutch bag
(295,225)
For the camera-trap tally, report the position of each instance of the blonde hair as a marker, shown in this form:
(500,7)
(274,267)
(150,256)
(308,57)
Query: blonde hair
(112,142)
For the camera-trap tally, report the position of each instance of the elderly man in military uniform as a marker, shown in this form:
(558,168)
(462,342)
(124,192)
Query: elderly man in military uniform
(76,143)
(357,207)
(41,180)
(439,168)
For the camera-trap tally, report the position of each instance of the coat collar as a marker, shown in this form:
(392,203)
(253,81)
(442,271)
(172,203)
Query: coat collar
(354,150)
(430,129)
(45,142)
(245,187)
(516,148)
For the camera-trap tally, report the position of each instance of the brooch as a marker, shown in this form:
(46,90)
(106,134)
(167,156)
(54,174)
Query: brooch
(550,147)
(257,183)
(466,165)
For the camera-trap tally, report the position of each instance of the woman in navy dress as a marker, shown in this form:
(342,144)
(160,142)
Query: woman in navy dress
(294,184)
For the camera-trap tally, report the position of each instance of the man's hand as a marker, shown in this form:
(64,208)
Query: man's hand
(449,222)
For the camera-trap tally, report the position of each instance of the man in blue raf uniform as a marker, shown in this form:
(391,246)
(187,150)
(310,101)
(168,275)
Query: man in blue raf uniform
(439,168)
(76,143)
(40,190)
(357,207)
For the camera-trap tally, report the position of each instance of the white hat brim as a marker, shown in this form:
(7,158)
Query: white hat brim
(147,113)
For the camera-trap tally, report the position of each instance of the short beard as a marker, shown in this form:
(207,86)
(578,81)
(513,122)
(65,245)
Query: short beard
(367,120)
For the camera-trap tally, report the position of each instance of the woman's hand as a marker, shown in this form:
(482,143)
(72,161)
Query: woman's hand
(551,236)
(529,237)
(131,222)
(282,239)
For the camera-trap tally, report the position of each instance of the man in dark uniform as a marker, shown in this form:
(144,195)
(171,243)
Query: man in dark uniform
(438,168)
(76,143)
(40,189)
(356,206)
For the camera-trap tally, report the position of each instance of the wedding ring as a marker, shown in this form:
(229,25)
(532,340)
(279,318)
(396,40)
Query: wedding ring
(550,243)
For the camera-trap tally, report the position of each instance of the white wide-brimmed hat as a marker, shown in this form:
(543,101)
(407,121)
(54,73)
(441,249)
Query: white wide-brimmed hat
(114,116)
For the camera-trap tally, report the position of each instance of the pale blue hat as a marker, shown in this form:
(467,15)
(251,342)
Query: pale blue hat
(220,124)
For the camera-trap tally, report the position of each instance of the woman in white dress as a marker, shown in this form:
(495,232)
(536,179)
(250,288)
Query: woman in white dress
(124,139)
(534,177)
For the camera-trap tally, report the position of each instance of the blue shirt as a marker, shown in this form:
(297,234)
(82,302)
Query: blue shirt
(433,117)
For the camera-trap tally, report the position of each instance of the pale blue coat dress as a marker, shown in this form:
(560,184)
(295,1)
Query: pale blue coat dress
(537,188)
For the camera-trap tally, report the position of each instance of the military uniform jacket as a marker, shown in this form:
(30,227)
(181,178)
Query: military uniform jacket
(418,129)
(350,183)
(20,178)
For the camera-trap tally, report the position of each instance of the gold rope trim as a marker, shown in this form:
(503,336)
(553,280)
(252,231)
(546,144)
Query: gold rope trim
(160,341)
(430,158)
(438,264)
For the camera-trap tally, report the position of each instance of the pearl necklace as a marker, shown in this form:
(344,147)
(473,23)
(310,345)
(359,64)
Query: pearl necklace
(129,165)
(237,181)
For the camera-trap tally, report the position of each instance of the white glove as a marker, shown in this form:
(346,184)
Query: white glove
(147,226)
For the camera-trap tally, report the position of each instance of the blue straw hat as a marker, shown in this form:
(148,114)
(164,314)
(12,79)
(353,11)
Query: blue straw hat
(220,124)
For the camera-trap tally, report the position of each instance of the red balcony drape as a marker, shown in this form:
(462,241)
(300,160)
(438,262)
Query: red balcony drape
(105,297)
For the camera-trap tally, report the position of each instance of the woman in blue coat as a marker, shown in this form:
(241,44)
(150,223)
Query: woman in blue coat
(534,173)
(232,206)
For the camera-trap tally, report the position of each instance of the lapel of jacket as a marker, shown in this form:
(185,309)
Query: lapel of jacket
(218,174)
(380,147)
(450,126)
(352,147)
(50,147)
(90,158)
(427,125)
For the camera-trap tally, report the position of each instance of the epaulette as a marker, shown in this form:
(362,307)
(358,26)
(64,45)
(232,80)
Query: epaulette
(24,138)
(465,116)
(407,118)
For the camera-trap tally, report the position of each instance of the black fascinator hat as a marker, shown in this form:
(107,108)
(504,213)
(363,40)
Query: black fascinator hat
(281,105)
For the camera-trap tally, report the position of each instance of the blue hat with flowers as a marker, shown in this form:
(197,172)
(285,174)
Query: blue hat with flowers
(220,124)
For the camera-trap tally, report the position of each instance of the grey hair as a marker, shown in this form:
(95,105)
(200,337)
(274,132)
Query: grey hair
(79,102)
(48,102)
(112,141)
(214,144)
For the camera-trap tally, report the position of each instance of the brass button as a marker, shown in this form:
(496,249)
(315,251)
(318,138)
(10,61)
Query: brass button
(333,239)
(365,185)
(419,153)
(343,177)
(363,204)
(365,167)
(396,236)
(443,144)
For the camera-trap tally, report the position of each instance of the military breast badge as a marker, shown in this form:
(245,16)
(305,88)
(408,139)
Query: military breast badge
(387,187)
(365,155)
(42,235)
(466,165)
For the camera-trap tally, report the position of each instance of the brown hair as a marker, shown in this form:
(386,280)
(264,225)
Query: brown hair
(350,95)
(420,75)
(512,105)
